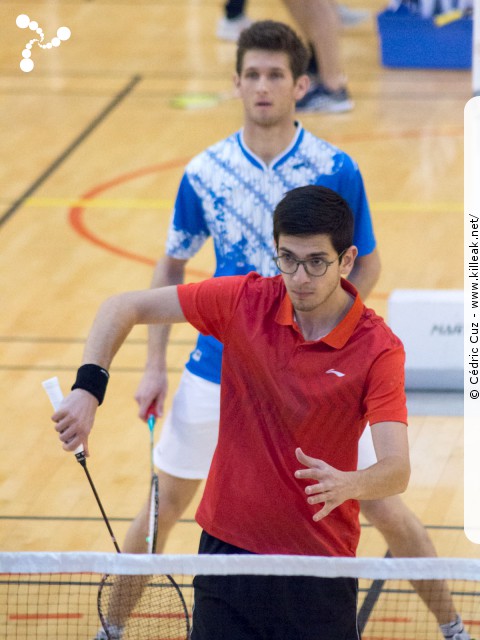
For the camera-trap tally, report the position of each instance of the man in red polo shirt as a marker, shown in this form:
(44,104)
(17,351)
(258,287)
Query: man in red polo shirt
(305,366)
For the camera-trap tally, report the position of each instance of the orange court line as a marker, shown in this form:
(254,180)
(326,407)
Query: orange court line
(45,616)
(77,214)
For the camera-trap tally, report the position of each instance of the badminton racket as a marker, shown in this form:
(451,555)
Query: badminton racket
(140,607)
(54,392)
(153,511)
(144,607)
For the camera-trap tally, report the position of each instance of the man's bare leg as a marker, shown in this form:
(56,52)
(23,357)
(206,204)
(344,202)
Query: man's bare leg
(175,494)
(406,537)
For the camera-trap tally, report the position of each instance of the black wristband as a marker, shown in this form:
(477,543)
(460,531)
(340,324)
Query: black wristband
(93,379)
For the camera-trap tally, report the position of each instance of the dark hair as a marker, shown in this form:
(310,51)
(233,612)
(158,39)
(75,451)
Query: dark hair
(312,210)
(268,35)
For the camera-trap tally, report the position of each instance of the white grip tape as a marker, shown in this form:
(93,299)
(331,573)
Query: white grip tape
(54,392)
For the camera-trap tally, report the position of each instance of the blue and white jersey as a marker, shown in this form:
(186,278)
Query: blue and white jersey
(228,193)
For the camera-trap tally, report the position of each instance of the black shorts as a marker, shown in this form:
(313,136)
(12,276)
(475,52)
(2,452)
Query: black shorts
(271,607)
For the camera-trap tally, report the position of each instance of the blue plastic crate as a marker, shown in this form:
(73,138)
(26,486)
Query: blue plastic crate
(412,41)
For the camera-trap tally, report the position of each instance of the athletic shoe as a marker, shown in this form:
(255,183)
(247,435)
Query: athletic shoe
(318,98)
(231,29)
(352,17)
(454,630)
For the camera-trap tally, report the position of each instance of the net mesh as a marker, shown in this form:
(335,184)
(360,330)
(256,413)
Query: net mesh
(44,595)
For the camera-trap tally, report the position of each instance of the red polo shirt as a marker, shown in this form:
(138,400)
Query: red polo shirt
(280,392)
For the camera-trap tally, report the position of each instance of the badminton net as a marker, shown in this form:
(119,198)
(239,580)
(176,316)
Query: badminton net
(55,595)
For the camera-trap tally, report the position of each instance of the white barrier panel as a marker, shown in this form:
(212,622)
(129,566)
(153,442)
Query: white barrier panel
(430,325)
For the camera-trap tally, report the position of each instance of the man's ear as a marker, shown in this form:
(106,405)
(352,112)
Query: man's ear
(348,260)
(302,85)
(236,85)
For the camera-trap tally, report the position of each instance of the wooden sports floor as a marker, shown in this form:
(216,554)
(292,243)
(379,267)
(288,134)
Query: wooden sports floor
(93,143)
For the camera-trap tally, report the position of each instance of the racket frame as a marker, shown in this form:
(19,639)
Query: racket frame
(54,392)
(151,539)
(102,597)
(153,515)
(154,494)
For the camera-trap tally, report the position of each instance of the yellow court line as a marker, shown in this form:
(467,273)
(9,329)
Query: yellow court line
(418,207)
(101,203)
(156,203)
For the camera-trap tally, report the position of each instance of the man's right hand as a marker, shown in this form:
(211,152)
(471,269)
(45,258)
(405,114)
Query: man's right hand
(74,419)
(152,390)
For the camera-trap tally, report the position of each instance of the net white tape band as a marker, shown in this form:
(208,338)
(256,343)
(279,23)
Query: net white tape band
(131,564)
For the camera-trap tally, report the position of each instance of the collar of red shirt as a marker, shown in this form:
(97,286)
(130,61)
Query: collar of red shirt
(338,337)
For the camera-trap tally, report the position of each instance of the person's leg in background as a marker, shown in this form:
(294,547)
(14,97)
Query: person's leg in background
(406,537)
(351,17)
(234,18)
(319,22)
(182,456)
(233,21)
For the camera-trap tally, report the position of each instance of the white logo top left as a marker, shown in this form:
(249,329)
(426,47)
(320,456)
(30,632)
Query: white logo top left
(24,22)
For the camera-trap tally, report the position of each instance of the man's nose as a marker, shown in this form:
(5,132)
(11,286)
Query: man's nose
(262,83)
(301,274)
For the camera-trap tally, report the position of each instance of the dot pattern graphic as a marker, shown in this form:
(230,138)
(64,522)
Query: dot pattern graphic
(24,22)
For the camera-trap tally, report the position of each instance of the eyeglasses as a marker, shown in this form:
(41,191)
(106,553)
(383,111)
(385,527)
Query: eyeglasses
(315,267)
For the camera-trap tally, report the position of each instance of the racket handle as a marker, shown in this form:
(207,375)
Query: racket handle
(151,410)
(151,416)
(54,392)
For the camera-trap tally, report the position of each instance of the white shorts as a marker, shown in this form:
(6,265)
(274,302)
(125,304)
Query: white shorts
(366,450)
(190,431)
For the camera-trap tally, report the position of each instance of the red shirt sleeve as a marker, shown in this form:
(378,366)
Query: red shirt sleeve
(210,305)
(385,388)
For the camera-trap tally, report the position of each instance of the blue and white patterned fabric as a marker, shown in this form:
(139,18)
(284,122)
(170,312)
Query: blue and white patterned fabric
(228,193)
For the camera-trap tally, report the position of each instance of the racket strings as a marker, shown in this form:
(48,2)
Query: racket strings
(154,493)
(153,516)
(157,610)
(144,607)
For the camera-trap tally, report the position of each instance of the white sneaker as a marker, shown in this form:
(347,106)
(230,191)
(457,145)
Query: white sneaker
(231,29)
(454,630)
(352,17)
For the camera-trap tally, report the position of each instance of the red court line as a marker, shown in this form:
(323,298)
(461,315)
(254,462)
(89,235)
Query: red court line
(390,619)
(159,615)
(177,638)
(76,213)
(45,616)
(77,221)
(386,638)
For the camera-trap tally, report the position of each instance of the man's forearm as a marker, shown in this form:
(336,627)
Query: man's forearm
(113,322)
(168,272)
(387,477)
(332,487)
(119,314)
(365,273)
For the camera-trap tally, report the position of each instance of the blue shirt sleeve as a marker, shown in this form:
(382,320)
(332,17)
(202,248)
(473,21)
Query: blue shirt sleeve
(188,229)
(349,182)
